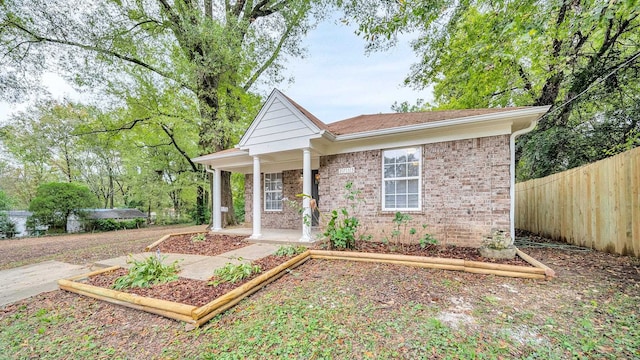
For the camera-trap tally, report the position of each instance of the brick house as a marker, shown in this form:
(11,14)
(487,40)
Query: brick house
(450,170)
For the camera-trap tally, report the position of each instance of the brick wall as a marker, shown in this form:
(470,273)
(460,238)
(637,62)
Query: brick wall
(289,217)
(465,187)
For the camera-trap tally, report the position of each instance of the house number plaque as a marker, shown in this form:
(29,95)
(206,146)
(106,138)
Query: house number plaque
(349,170)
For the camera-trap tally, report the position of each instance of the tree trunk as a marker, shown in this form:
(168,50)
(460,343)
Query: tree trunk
(229,218)
(111,190)
(214,136)
(200,210)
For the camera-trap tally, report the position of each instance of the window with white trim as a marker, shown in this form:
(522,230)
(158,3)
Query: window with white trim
(401,169)
(273,192)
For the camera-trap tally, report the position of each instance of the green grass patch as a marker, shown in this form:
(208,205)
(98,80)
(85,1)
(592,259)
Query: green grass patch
(341,310)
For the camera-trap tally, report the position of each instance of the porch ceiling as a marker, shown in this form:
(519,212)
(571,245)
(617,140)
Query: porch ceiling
(236,160)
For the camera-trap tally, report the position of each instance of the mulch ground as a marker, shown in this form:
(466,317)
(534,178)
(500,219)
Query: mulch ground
(198,292)
(212,245)
(442,251)
(185,291)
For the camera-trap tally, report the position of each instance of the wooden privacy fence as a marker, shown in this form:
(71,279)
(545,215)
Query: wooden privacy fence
(596,205)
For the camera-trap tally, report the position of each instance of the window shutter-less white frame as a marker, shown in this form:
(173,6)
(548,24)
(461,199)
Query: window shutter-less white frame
(273,186)
(402,179)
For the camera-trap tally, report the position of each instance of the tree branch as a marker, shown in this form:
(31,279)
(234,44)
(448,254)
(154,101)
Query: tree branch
(126,58)
(527,83)
(260,11)
(237,9)
(169,133)
(502,92)
(270,60)
(125,127)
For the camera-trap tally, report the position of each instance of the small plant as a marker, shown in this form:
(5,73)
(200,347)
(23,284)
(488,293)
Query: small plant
(342,228)
(290,250)
(199,237)
(427,240)
(402,233)
(233,273)
(148,272)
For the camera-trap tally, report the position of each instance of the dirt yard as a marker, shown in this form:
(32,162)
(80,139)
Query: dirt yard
(83,249)
(338,309)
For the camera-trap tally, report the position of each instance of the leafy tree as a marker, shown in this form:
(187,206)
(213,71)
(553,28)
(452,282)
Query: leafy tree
(5,202)
(45,134)
(405,106)
(54,202)
(174,63)
(581,57)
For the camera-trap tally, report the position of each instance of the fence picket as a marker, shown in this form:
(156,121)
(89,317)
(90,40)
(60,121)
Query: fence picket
(596,205)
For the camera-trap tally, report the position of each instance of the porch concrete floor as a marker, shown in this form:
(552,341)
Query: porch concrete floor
(274,236)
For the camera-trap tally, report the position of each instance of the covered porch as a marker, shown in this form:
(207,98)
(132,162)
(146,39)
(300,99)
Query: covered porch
(273,236)
(279,155)
(273,183)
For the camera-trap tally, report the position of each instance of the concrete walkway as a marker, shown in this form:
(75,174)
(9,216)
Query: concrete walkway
(201,267)
(26,281)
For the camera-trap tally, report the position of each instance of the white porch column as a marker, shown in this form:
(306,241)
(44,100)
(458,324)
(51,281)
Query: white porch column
(217,200)
(306,190)
(257,211)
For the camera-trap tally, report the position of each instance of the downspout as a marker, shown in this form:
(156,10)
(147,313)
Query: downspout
(512,170)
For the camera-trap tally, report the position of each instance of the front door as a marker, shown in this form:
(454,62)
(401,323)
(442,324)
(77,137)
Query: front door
(315,213)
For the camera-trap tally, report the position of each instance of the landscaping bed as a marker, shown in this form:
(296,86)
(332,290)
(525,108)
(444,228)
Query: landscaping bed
(186,291)
(199,244)
(343,309)
(440,251)
(153,301)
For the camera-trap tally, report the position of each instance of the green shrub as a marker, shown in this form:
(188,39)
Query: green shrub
(106,225)
(341,229)
(7,227)
(290,250)
(148,272)
(233,273)
(112,224)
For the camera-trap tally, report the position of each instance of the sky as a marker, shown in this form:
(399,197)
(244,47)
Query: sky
(338,80)
(335,81)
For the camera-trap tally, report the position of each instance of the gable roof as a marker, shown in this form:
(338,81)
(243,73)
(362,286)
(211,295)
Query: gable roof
(283,126)
(281,119)
(374,122)
(308,114)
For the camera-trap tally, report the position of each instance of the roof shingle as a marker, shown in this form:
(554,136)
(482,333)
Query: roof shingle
(364,123)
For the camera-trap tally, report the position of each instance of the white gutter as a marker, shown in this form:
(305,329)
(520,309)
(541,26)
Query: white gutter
(512,170)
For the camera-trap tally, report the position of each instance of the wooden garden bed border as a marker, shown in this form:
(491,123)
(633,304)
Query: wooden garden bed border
(196,316)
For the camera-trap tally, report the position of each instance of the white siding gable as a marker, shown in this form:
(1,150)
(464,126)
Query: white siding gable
(278,126)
